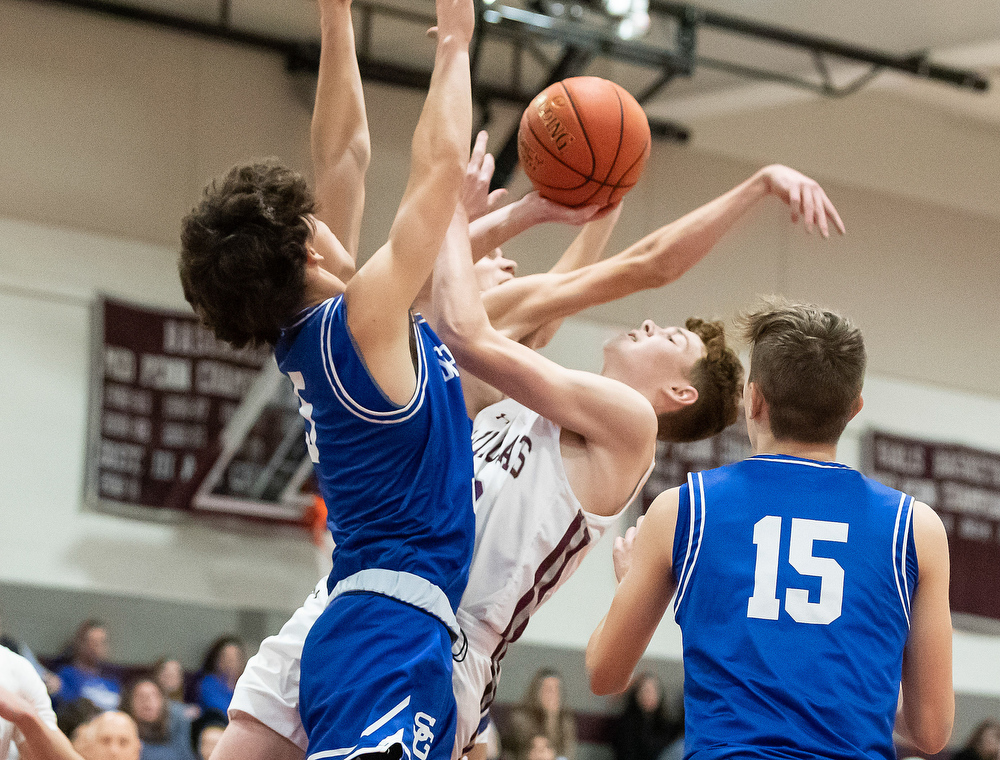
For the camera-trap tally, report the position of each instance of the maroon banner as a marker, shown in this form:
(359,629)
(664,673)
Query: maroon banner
(163,388)
(675,460)
(962,485)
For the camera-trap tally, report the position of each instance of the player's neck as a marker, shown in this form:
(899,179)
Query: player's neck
(320,285)
(768,444)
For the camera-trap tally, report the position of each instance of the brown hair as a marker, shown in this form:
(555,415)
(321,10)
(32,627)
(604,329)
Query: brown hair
(809,365)
(242,261)
(718,377)
(156,731)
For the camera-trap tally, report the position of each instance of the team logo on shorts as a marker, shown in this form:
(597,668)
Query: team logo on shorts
(422,734)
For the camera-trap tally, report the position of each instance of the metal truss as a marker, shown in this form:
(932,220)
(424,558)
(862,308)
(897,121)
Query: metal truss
(562,47)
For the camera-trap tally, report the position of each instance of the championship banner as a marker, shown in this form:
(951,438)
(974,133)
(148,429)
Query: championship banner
(675,460)
(962,485)
(164,391)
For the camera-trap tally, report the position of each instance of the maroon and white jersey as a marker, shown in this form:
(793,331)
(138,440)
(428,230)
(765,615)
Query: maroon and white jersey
(531,530)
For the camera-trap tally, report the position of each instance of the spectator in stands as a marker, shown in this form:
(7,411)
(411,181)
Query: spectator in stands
(983,744)
(223,665)
(26,718)
(51,680)
(645,728)
(112,735)
(542,713)
(169,674)
(205,734)
(163,727)
(72,716)
(84,676)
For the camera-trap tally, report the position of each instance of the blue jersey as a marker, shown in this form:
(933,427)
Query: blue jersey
(397,480)
(794,581)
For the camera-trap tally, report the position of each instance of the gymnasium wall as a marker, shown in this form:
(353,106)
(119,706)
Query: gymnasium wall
(109,130)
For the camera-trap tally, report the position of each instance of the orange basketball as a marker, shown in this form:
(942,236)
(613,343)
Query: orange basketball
(583,141)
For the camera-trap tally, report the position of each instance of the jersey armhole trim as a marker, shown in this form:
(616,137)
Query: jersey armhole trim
(344,397)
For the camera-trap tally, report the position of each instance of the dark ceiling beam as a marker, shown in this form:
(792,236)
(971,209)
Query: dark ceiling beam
(914,64)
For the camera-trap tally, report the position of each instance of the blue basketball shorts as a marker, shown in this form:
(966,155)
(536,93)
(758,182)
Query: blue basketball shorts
(376,678)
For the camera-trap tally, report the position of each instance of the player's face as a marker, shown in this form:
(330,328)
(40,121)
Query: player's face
(336,259)
(493,269)
(652,354)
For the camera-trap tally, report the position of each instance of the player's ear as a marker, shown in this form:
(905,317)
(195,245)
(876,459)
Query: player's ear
(858,406)
(679,395)
(313,257)
(754,401)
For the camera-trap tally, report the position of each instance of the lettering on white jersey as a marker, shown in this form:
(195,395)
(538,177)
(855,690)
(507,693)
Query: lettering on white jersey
(447,362)
(490,447)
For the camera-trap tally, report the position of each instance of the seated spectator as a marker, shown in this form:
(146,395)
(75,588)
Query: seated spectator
(983,743)
(169,674)
(542,713)
(205,734)
(112,735)
(223,665)
(645,728)
(72,716)
(84,676)
(26,717)
(163,727)
(51,680)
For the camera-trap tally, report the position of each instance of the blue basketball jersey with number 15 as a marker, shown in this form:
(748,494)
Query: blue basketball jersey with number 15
(794,579)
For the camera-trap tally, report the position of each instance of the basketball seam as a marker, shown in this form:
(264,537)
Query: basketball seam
(618,150)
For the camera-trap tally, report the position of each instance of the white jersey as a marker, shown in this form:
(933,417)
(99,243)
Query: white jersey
(19,677)
(531,534)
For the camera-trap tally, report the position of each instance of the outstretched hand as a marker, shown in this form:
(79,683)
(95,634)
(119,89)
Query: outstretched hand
(806,198)
(621,553)
(476,195)
(544,210)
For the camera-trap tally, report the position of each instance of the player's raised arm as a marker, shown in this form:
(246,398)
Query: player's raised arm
(640,601)
(617,423)
(379,296)
(928,694)
(341,148)
(660,258)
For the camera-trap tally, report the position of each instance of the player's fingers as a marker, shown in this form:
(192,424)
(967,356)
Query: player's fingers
(808,209)
(639,521)
(488,165)
(479,149)
(794,200)
(496,199)
(832,213)
(432,32)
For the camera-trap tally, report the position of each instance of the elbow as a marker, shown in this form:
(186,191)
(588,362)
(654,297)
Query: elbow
(932,739)
(605,684)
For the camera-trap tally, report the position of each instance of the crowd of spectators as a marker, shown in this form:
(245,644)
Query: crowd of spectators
(81,706)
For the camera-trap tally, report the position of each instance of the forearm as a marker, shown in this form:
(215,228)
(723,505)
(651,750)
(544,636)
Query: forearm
(667,253)
(494,229)
(589,244)
(341,147)
(42,742)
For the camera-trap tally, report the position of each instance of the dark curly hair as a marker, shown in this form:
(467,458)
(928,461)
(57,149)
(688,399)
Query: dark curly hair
(718,376)
(243,256)
(809,364)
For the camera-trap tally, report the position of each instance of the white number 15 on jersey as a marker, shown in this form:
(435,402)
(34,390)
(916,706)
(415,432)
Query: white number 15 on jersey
(764,604)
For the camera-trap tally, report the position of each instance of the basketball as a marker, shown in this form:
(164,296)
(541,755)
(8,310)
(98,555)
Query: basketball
(583,141)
